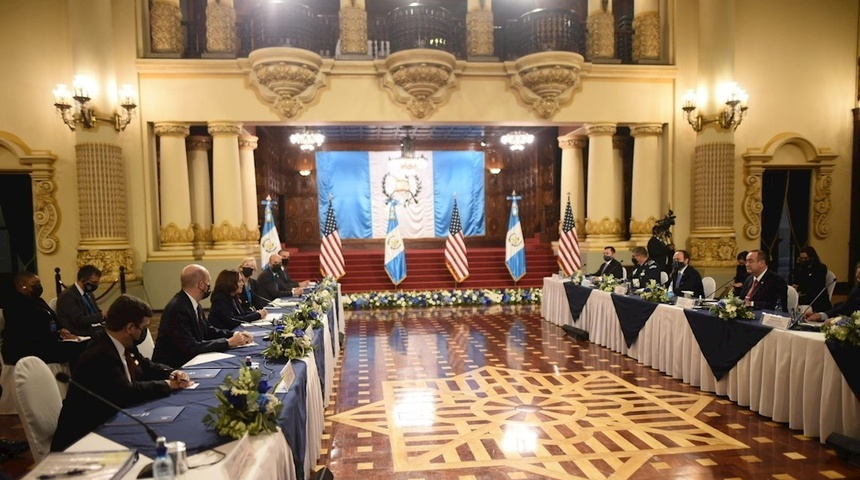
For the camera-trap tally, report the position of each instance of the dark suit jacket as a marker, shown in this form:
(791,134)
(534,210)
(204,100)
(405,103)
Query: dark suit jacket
(31,329)
(181,336)
(645,273)
(227,313)
(100,369)
(257,300)
(691,280)
(613,268)
(74,314)
(661,254)
(246,298)
(740,277)
(272,286)
(810,280)
(770,290)
(849,306)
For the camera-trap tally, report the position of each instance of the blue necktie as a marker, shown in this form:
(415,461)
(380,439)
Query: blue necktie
(87,301)
(248,293)
(678,281)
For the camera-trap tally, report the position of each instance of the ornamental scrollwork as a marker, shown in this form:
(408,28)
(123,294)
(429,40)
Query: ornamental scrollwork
(600,41)
(642,228)
(546,81)
(822,204)
(109,261)
(604,226)
(165,20)
(420,79)
(353,31)
(753,206)
(713,252)
(646,36)
(288,79)
(46,215)
(173,234)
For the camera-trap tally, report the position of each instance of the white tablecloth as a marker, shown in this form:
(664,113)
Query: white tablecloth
(788,376)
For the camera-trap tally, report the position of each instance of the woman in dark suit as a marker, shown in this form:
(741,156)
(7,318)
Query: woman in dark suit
(810,277)
(740,275)
(227,311)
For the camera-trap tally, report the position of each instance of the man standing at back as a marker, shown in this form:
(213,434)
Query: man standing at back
(77,308)
(184,331)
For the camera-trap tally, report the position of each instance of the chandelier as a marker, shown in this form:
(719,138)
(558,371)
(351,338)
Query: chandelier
(517,140)
(307,140)
(407,162)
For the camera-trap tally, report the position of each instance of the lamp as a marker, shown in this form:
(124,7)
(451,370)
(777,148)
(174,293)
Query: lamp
(82,112)
(307,140)
(735,100)
(306,165)
(517,140)
(407,162)
(494,162)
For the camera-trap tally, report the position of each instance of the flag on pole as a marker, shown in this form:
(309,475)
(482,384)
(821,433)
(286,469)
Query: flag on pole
(331,250)
(270,242)
(455,248)
(395,251)
(568,244)
(515,253)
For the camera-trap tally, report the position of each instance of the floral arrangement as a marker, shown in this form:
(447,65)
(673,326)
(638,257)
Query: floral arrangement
(244,406)
(843,330)
(731,308)
(577,277)
(440,298)
(608,283)
(654,292)
(288,341)
(305,315)
(321,300)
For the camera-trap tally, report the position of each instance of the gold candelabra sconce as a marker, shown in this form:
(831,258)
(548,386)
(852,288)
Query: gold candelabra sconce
(74,106)
(733,97)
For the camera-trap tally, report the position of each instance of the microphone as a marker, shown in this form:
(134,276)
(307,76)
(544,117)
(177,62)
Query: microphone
(261,297)
(801,314)
(65,378)
(720,287)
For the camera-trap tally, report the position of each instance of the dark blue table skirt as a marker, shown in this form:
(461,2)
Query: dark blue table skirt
(577,297)
(847,358)
(724,343)
(633,313)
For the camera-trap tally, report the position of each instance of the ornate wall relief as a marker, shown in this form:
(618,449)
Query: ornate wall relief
(646,36)
(821,202)
(165,25)
(600,31)
(604,227)
(642,228)
(479,33)
(420,79)
(713,251)
(545,81)
(353,31)
(287,78)
(221,34)
(109,261)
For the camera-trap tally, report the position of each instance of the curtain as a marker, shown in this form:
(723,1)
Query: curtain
(774,187)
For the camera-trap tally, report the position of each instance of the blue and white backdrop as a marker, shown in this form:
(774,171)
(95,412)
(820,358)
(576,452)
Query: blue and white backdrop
(361,184)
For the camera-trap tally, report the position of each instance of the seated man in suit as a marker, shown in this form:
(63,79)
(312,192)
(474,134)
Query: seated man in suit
(849,306)
(184,331)
(763,289)
(684,277)
(77,308)
(32,328)
(610,265)
(285,275)
(645,270)
(112,367)
(273,284)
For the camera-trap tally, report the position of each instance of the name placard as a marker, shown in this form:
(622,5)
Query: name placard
(621,289)
(287,377)
(775,321)
(685,302)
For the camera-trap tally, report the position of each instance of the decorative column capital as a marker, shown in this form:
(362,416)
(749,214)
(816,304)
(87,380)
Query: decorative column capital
(172,129)
(248,142)
(577,143)
(198,142)
(643,129)
(225,128)
(597,129)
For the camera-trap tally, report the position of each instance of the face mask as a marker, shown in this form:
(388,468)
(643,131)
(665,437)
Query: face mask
(247,271)
(276,268)
(90,287)
(606,258)
(635,262)
(37,290)
(678,265)
(139,340)
(207,292)
(802,261)
(285,261)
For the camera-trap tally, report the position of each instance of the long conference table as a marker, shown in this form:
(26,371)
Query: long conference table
(789,376)
(289,454)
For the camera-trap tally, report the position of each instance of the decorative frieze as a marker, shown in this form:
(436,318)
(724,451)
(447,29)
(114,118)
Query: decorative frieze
(227,233)
(604,227)
(642,228)
(172,234)
(108,260)
(713,251)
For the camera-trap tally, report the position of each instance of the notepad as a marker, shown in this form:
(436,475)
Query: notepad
(155,415)
(202,373)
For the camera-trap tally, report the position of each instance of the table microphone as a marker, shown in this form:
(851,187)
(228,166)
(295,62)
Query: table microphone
(800,315)
(64,377)
(720,287)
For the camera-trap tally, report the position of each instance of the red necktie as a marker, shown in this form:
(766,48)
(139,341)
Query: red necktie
(752,289)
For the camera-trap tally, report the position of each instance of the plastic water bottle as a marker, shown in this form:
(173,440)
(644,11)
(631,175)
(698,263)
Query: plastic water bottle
(162,466)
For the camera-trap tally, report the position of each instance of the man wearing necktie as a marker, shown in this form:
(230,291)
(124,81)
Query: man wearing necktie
(763,289)
(685,278)
(77,308)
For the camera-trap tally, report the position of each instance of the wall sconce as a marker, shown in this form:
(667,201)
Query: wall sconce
(732,115)
(82,112)
(517,140)
(493,162)
(306,164)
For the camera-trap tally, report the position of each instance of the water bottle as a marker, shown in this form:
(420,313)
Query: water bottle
(162,466)
(778,306)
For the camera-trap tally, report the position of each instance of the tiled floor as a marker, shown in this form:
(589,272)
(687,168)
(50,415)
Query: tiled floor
(493,393)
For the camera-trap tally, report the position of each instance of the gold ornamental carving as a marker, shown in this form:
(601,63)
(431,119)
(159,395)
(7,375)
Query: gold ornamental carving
(287,78)
(822,203)
(172,234)
(198,142)
(226,232)
(576,143)
(642,228)
(248,142)
(353,31)
(714,252)
(201,234)
(646,36)
(420,79)
(165,27)
(604,226)
(224,128)
(176,129)
(753,205)
(640,130)
(546,81)
(109,261)
(46,215)
(479,33)
(593,129)
(221,34)
(600,35)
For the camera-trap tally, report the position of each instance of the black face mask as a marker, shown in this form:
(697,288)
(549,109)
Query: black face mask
(276,268)
(143,333)
(606,258)
(90,287)
(678,265)
(285,261)
(635,262)
(37,290)
(207,292)
(247,271)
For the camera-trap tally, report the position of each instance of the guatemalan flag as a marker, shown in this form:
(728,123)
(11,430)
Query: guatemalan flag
(515,253)
(270,242)
(395,251)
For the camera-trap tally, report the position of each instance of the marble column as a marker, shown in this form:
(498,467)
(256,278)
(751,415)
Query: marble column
(228,230)
(647,186)
(605,206)
(165,27)
(247,145)
(600,31)
(222,39)
(197,148)
(176,232)
(647,42)
(353,28)
(479,28)
(573,179)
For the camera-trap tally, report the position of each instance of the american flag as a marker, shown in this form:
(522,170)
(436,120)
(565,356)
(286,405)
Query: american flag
(568,244)
(455,248)
(331,250)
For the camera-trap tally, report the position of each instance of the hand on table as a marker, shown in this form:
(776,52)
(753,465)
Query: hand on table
(67,335)
(810,316)
(239,338)
(263,313)
(178,379)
